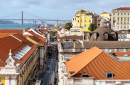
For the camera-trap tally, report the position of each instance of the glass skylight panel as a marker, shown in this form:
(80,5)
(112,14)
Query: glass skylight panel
(19,55)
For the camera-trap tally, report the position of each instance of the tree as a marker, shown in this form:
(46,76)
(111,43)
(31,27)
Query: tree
(128,30)
(91,27)
(68,25)
(54,33)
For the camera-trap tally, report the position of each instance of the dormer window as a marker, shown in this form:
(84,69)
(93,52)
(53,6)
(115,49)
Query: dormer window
(109,75)
(84,75)
(105,36)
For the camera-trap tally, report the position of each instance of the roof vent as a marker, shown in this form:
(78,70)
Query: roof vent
(109,75)
(71,72)
(67,59)
(84,75)
(125,55)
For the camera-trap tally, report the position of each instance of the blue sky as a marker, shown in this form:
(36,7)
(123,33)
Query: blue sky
(57,9)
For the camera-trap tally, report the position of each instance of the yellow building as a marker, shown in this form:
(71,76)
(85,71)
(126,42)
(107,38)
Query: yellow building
(105,14)
(84,18)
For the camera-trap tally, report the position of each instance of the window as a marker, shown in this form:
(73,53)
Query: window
(124,13)
(117,27)
(81,20)
(85,75)
(105,36)
(117,23)
(124,26)
(121,14)
(113,18)
(128,13)
(81,17)
(118,13)
(121,19)
(128,18)
(124,18)
(78,21)
(85,25)
(127,23)
(89,20)
(124,23)
(113,13)
(127,27)
(121,23)
(85,20)
(121,27)
(109,75)
(118,18)
(95,35)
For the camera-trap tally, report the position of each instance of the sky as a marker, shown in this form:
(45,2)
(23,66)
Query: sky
(56,9)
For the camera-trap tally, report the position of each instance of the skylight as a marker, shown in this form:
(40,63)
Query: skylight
(21,53)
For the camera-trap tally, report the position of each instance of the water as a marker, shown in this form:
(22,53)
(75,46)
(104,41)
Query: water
(15,26)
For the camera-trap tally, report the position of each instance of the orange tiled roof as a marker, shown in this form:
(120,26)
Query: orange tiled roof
(42,39)
(2,63)
(7,43)
(24,40)
(26,57)
(119,32)
(120,54)
(11,31)
(95,62)
(71,37)
(123,8)
(15,45)
(104,13)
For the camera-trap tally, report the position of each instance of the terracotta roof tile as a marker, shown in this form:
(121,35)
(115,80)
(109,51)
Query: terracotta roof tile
(7,43)
(26,57)
(104,13)
(95,62)
(2,63)
(24,40)
(123,8)
(121,54)
(11,31)
(71,37)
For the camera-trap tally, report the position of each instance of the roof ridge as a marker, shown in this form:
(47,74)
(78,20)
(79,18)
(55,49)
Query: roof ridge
(89,62)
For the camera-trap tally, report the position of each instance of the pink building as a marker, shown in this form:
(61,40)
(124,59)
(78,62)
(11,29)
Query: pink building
(74,22)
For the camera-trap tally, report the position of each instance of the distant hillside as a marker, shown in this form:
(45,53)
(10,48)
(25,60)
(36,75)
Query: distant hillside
(7,22)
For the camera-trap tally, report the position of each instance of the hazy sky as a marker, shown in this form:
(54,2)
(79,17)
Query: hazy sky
(57,9)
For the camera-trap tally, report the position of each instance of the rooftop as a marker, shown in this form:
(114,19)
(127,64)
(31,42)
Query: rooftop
(95,63)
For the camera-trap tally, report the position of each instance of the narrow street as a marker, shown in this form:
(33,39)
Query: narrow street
(50,69)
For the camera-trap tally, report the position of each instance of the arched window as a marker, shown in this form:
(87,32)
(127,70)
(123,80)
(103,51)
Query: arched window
(105,36)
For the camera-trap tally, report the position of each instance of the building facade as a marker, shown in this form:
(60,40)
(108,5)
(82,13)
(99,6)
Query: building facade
(84,19)
(105,14)
(74,22)
(120,19)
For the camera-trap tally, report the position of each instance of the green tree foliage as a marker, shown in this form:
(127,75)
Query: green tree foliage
(68,25)
(54,33)
(91,27)
(128,30)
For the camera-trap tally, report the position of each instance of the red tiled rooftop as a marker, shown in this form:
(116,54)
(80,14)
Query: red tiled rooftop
(104,13)
(123,8)
(121,54)
(11,31)
(24,40)
(95,62)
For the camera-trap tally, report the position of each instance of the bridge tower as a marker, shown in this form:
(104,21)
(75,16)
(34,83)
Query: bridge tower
(22,17)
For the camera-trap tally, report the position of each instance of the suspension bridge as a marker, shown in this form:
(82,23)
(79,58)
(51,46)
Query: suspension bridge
(33,20)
